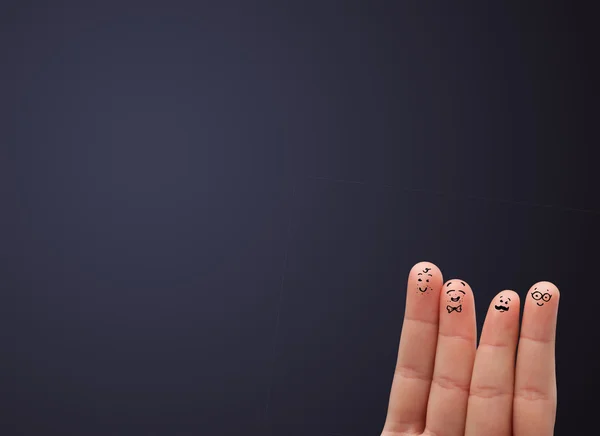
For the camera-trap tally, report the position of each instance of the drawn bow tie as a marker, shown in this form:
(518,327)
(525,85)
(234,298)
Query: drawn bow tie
(457,308)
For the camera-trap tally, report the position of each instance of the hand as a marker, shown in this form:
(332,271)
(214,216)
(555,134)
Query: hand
(444,385)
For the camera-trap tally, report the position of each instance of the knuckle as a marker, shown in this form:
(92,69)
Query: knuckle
(448,382)
(488,391)
(410,372)
(531,393)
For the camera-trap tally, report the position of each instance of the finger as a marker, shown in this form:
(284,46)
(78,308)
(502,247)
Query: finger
(535,379)
(416,354)
(494,370)
(455,352)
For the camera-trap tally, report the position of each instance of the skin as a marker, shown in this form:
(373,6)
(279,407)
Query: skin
(446,385)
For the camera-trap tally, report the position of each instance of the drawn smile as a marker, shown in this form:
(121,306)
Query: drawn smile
(424,277)
(455,297)
(501,308)
(539,304)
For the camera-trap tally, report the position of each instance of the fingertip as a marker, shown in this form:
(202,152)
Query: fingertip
(540,311)
(542,293)
(457,310)
(457,283)
(501,326)
(456,295)
(426,278)
(506,305)
(548,286)
(507,296)
(425,266)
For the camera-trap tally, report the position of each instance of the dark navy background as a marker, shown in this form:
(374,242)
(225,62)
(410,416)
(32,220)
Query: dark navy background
(209,209)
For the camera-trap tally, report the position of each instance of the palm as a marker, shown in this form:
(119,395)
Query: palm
(445,385)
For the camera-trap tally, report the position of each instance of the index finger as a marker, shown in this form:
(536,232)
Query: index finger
(416,355)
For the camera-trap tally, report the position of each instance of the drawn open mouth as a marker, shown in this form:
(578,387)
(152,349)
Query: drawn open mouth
(539,304)
(422,290)
(454,299)
(501,308)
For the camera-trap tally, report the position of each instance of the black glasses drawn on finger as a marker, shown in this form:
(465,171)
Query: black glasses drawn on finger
(503,306)
(455,299)
(423,280)
(541,298)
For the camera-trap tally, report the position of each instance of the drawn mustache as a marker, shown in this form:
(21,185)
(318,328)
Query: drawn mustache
(501,307)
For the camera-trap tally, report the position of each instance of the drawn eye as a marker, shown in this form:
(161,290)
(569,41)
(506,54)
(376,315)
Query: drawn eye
(546,297)
(536,295)
(420,280)
(427,280)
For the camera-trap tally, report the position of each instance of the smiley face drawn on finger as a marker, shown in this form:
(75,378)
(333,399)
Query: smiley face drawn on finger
(455,296)
(423,280)
(540,298)
(503,306)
